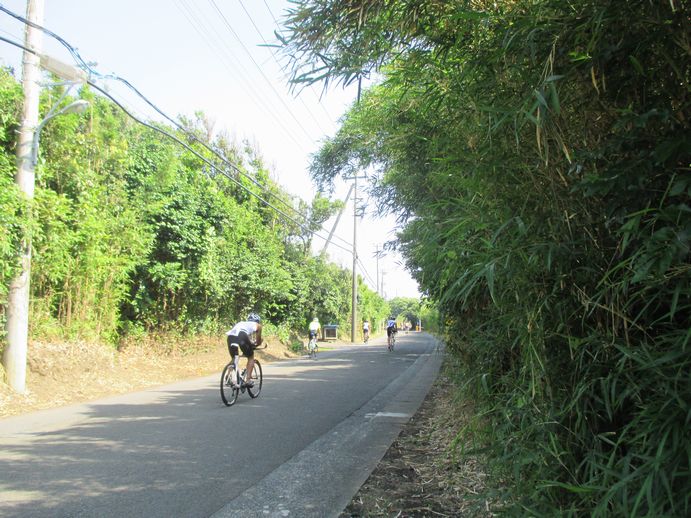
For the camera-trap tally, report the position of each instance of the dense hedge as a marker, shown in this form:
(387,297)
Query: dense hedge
(537,154)
(132,233)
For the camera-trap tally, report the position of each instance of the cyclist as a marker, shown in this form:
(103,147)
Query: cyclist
(314,328)
(391,329)
(365,330)
(247,335)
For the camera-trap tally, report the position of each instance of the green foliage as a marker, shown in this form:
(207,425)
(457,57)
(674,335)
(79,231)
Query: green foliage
(371,307)
(134,234)
(536,154)
(406,309)
(10,197)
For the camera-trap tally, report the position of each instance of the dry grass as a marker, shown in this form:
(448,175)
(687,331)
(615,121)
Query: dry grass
(420,475)
(60,374)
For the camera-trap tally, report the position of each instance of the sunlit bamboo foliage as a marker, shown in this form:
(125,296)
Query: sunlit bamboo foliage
(537,155)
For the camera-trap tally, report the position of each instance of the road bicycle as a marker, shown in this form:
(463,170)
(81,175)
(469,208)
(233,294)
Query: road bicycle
(232,381)
(392,341)
(312,348)
(366,336)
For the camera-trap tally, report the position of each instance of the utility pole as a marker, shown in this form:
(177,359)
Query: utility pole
(377,255)
(14,357)
(353,303)
(354,291)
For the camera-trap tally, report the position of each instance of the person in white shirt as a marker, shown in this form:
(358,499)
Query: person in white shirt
(247,335)
(314,328)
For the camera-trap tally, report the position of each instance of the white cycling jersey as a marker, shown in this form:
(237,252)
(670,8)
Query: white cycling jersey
(248,327)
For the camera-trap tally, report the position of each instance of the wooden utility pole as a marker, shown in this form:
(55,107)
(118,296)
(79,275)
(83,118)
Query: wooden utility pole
(14,357)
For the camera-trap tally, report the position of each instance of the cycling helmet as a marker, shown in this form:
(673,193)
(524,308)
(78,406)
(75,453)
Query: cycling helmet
(253,317)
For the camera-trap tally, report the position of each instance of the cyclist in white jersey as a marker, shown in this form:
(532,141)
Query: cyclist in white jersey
(314,328)
(391,327)
(247,335)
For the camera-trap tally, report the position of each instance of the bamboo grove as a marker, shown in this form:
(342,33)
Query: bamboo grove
(133,234)
(536,153)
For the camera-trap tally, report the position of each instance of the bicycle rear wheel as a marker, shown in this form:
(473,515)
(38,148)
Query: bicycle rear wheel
(229,394)
(257,377)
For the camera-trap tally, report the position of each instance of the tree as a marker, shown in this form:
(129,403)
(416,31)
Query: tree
(534,155)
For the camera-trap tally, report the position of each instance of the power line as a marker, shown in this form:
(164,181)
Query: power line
(369,277)
(276,61)
(94,72)
(85,65)
(227,23)
(88,67)
(207,161)
(278,26)
(232,65)
(200,22)
(186,146)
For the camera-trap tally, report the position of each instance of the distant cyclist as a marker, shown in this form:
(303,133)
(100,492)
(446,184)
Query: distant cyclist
(247,335)
(391,330)
(365,330)
(314,328)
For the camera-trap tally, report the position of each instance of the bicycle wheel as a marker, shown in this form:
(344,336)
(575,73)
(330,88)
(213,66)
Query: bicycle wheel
(229,394)
(312,348)
(257,377)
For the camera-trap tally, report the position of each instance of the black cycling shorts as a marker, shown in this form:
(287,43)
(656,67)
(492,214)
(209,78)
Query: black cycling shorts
(390,331)
(313,334)
(242,340)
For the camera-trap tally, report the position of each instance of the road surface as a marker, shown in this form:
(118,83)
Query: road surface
(303,448)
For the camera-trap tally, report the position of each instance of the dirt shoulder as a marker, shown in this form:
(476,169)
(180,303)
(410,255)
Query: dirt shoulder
(423,473)
(61,374)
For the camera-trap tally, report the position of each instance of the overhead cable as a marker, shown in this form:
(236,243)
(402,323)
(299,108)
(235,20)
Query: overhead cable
(206,31)
(230,28)
(189,148)
(279,64)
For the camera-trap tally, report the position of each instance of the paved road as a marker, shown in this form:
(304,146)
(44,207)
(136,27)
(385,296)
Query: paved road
(303,448)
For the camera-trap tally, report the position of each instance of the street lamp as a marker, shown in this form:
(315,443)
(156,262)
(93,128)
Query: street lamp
(74,107)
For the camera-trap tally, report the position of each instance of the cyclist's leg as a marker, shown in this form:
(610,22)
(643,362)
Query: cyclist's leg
(234,352)
(248,350)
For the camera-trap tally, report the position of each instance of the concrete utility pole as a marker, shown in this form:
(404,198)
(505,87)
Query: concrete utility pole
(14,357)
(377,255)
(354,291)
(353,303)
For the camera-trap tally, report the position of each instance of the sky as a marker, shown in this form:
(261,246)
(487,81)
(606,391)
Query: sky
(216,56)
